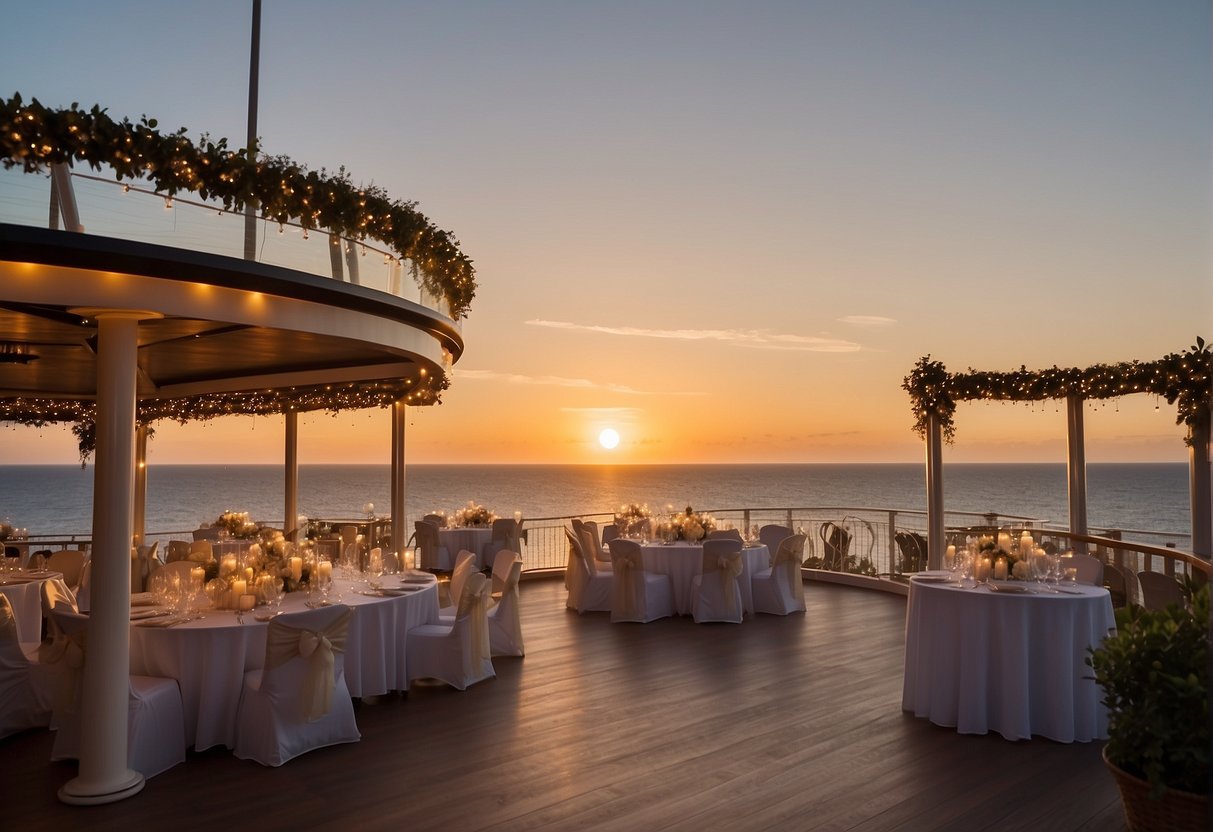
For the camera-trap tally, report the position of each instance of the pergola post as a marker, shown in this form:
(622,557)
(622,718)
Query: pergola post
(139,512)
(935,525)
(290,503)
(103,774)
(1199,491)
(1076,469)
(399,519)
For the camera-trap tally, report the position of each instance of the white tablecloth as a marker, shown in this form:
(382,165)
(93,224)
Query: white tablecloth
(985,661)
(24,592)
(209,657)
(472,538)
(682,561)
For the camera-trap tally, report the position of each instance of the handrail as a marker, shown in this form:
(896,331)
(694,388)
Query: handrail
(1193,560)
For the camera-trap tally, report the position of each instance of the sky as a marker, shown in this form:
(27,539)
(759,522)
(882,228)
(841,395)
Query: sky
(725,230)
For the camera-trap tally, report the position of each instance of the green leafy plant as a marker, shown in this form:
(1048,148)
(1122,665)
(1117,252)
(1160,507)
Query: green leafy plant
(1154,672)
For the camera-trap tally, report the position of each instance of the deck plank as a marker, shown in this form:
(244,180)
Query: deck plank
(778,724)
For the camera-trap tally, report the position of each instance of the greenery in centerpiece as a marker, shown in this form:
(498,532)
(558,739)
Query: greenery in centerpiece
(474,515)
(692,526)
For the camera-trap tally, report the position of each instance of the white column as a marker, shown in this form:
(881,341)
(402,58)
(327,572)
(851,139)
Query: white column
(400,533)
(1199,491)
(935,525)
(1076,469)
(103,775)
(139,512)
(290,503)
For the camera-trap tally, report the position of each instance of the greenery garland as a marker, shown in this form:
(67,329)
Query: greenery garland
(34,136)
(1184,379)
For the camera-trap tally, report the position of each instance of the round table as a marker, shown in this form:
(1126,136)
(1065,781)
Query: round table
(472,538)
(1011,662)
(682,561)
(24,591)
(209,657)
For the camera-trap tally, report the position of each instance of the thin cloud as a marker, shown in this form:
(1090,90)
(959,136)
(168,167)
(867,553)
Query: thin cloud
(752,338)
(868,320)
(604,411)
(558,381)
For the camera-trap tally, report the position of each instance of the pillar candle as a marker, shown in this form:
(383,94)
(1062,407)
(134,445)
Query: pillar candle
(950,556)
(197,576)
(984,574)
(239,587)
(1000,569)
(409,561)
(325,569)
(296,569)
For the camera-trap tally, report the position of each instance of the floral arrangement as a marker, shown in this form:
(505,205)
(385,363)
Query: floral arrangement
(1182,378)
(237,524)
(692,526)
(631,517)
(473,515)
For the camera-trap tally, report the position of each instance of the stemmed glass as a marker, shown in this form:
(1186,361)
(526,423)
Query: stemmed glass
(1040,570)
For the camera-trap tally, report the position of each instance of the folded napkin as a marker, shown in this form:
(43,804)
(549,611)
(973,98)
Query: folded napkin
(417,579)
(143,599)
(165,621)
(139,615)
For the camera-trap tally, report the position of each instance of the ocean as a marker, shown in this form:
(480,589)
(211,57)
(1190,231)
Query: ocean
(57,500)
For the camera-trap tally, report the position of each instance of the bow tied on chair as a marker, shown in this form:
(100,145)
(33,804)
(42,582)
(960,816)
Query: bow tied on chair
(474,602)
(788,558)
(319,648)
(627,561)
(729,566)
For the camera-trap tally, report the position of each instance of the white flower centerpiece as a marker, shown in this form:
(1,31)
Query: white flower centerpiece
(473,515)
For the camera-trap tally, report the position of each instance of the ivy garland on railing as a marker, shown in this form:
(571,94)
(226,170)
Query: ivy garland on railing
(1184,379)
(34,136)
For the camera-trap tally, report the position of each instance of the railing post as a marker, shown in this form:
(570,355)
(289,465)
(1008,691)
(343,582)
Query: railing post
(1199,491)
(1076,470)
(892,541)
(351,263)
(335,256)
(61,176)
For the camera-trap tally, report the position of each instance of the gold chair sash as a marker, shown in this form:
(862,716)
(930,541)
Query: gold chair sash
(788,558)
(729,567)
(68,649)
(628,564)
(8,621)
(319,648)
(473,604)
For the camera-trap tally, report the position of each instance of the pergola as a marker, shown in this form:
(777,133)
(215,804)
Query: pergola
(112,335)
(1184,379)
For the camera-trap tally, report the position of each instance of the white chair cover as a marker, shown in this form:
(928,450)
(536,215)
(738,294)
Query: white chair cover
(433,554)
(505,624)
(717,593)
(1090,570)
(142,558)
(23,703)
(84,591)
(71,563)
(155,718)
(771,535)
(502,562)
(505,534)
(299,701)
(724,534)
(465,563)
(458,653)
(589,589)
(637,595)
(779,590)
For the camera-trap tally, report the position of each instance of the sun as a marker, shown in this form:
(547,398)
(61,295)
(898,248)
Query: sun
(609,439)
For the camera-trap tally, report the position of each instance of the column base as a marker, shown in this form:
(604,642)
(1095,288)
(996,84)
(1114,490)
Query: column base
(78,793)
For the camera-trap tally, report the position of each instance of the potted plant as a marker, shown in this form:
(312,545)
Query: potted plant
(1154,673)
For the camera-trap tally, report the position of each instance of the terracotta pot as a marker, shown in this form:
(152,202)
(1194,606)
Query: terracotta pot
(1174,811)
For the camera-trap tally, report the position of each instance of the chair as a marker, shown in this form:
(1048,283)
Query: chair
(142,558)
(155,718)
(299,701)
(177,550)
(725,534)
(438,520)
(500,572)
(458,653)
(505,624)
(771,535)
(637,595)
(71,563)
(592,544)
(589,588)
(609,532)
(913,547)
(1159,591)
(465,564)
(1119,583)
(716,595)
(1090,570)
(23,703)
(433,554)
(779,590)
(201,551)
(504,535)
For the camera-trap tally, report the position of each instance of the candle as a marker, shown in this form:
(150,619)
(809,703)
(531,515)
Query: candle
(1004,541)
(1000,569)
(984,572)
(408,559)
(950,556)
(1071,575)
(248,573)
(229,564)
(518,517)
(376,561)
(325,570)
(239,587)
(197,575)
(247,602)
(296,569)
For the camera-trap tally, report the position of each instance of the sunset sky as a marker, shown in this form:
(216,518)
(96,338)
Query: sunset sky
(725,230)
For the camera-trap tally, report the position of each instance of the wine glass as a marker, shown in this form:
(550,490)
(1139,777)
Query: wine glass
(1040,570)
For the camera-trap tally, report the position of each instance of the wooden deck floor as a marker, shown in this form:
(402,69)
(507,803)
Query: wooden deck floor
(779,724)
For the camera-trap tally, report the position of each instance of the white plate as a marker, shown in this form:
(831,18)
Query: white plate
(936,576)
(1008,586)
